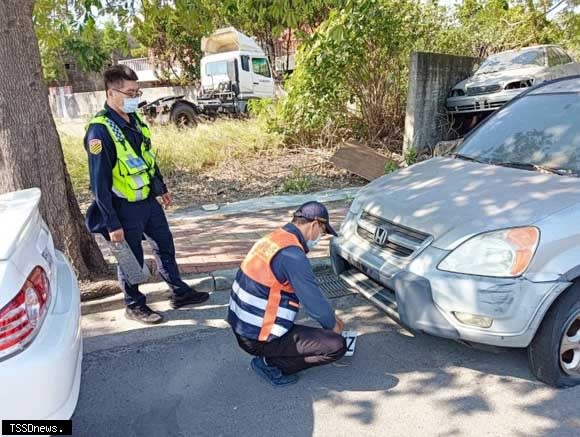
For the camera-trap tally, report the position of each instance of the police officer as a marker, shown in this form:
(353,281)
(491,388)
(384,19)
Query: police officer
(272,283)
(128,188)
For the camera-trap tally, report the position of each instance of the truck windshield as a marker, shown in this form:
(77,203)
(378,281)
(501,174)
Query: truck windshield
(537,131)
(217,68)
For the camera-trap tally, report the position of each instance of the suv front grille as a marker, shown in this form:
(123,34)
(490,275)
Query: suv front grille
(401,241)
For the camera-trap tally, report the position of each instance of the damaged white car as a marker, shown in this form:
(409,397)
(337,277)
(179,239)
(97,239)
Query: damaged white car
(503,76)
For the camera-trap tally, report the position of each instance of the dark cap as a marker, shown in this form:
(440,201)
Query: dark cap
(316,211)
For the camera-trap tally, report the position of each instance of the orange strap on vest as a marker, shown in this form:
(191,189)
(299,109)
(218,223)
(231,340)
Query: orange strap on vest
(257,267)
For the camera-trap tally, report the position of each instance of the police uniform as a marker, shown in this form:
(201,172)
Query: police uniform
(273,282)
(122,166)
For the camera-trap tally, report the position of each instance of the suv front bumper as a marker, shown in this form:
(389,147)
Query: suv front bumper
(424,299)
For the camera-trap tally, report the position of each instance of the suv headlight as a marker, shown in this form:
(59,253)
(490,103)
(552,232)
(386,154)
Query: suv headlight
(506,253)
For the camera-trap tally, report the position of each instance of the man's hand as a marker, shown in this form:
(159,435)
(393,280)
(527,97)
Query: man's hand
(165,200)
(117,236)
(339,326)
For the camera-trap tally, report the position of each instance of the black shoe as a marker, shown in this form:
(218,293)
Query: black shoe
(189,298)
(144,315)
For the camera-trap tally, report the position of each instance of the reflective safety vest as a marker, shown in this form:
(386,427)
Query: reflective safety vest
(261,308)
(131,173)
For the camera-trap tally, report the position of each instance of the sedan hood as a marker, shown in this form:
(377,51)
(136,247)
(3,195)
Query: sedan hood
(499,77)
(453,200)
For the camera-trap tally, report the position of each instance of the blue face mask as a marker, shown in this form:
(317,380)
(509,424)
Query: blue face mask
(311,244)
(130,105)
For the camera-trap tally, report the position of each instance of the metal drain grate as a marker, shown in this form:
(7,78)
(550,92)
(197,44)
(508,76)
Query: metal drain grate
(332,286)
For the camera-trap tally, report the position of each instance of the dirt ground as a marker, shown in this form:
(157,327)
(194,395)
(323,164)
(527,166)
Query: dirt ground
(277,172)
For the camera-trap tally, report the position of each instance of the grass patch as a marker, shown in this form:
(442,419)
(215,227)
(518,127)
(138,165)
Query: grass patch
(76,162)
(184,150)
(211,144)
(391,166)
(297,183)
(411,156)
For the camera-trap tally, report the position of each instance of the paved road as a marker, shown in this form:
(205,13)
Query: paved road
(197,383)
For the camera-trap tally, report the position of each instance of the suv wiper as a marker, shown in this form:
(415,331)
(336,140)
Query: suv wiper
(532,167)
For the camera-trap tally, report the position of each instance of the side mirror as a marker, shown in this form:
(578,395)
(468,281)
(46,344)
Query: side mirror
(475,68)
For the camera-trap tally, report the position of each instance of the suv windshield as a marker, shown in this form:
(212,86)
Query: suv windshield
(512,61)
(537,132)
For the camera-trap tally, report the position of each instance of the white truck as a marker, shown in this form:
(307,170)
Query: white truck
(234,70)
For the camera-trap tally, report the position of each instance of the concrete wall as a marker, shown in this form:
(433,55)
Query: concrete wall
(84,105)
(431,76)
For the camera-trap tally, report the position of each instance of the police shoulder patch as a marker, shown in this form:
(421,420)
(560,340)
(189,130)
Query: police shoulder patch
(95,146)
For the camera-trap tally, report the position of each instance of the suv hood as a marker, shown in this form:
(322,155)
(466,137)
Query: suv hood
(453,200)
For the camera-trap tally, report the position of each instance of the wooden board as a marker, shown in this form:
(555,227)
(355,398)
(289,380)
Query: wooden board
(360,160)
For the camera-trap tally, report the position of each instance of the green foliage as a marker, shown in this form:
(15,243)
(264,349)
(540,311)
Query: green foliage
(351,75)
(114,42)
(391,166)
(411,156)
(85,48)
(490,26)
(570,24)
(266,20)
(173,34)
(67,33)
(353,71)
(297,183)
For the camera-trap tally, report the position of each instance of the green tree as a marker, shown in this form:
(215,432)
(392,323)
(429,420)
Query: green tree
(173,33)
(66,32)
(490,26)
(266,20)
(352,73)
(114,41)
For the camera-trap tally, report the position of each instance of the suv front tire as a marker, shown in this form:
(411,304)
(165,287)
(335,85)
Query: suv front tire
(554,354)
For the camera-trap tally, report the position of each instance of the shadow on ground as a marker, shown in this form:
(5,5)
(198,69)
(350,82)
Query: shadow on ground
(198,383)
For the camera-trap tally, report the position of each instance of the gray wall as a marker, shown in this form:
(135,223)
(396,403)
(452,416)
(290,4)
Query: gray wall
(431,75)
(84,105)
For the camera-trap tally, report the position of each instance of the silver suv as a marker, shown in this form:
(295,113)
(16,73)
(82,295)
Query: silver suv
(484,246)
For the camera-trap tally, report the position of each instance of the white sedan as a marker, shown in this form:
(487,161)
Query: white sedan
(40,335)
(503,76)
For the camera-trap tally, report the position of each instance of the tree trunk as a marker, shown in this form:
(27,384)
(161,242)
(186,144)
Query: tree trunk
(30,150)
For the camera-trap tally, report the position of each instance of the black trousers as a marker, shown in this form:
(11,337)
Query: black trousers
(300,348)
(147,218)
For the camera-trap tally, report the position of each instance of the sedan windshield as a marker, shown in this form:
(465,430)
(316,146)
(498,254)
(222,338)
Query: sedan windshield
(512,61)
(537,133)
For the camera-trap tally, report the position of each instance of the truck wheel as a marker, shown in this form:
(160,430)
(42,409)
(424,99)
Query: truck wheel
(184,115)
(554,353)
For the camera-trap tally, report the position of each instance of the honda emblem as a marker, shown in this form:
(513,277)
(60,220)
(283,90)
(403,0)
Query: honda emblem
(381,236)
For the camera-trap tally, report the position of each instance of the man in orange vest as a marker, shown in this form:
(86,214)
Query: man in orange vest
(273,282)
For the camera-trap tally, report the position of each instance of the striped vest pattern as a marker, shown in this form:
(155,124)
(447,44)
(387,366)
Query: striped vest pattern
(261,308)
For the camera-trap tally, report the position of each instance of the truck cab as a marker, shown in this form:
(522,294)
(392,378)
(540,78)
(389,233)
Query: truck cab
(233,71)
(234,67)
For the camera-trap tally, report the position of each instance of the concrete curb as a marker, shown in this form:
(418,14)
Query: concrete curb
(265,203)
(218,280)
